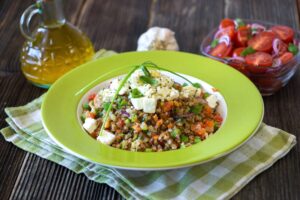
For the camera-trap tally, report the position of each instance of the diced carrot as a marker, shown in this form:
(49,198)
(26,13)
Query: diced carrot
(107,124)
(91,115)
(209,123)
(201,132)
(158,123)
(168,106)
(136,128)
(170,125)
(196,127)
(207,110)
(155,137)
(155,118)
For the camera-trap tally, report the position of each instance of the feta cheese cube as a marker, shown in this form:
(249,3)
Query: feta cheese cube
(188,91)
(90,125)
(174,93)
(115,85)
(137,103)
(106,137)
(212,101)
(149,105)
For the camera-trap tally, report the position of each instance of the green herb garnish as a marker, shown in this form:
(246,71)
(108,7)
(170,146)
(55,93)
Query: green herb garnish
(214,43)
(184,84)
(148,79)
(239,22)
(206,94)
(293,49)
(247,51)
(135,93)
(196,109)
(184,138)
(146,71)
(106,105)
(197,139)
(175,132)
(197,85)
(86,106)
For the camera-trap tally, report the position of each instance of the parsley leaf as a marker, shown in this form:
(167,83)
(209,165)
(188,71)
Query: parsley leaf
(247,51)
(293,49)
(239,22)
(214,43)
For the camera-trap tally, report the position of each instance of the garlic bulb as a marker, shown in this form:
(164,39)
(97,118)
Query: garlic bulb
(157,38)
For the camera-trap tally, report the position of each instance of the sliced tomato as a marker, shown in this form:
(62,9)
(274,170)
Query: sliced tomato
(221,50)
(258,62)
(238,51)
(226,23)
(242,36)
(286,57)
(262,41)
(284,33)
(282,47)
(230,31)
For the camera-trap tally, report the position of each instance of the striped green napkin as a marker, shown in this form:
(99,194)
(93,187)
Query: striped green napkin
(218,179)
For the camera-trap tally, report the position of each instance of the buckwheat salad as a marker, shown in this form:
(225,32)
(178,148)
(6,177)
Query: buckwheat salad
(148,111)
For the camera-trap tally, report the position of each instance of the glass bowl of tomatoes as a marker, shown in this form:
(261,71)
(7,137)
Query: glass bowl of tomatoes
(266,53)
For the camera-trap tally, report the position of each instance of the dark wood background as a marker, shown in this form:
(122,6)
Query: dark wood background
(116,25)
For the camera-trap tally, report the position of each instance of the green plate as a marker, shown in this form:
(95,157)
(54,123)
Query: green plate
(244,110)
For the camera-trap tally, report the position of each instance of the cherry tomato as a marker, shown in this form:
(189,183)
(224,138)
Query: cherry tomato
(286,57)
(242,36)
(238,51)
(282,47)
(230,31)
(258,62)
(221,50)
(91,97)
(262,41)
(284,33)
(226,23)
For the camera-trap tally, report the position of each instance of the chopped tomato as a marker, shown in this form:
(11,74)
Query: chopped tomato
(284,33)
(218,118)
(226,23)
(229,31)
(168,105)
(91,97)
(221,50)
(258,62)
(238,51)
(286,57)
(262,41)
(242,36)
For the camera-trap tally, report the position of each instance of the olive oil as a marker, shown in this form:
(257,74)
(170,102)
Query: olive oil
(54,48)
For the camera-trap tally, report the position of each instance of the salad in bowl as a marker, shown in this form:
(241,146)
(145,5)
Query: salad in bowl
(148,111)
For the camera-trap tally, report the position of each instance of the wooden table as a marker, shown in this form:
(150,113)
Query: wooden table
(116,25)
